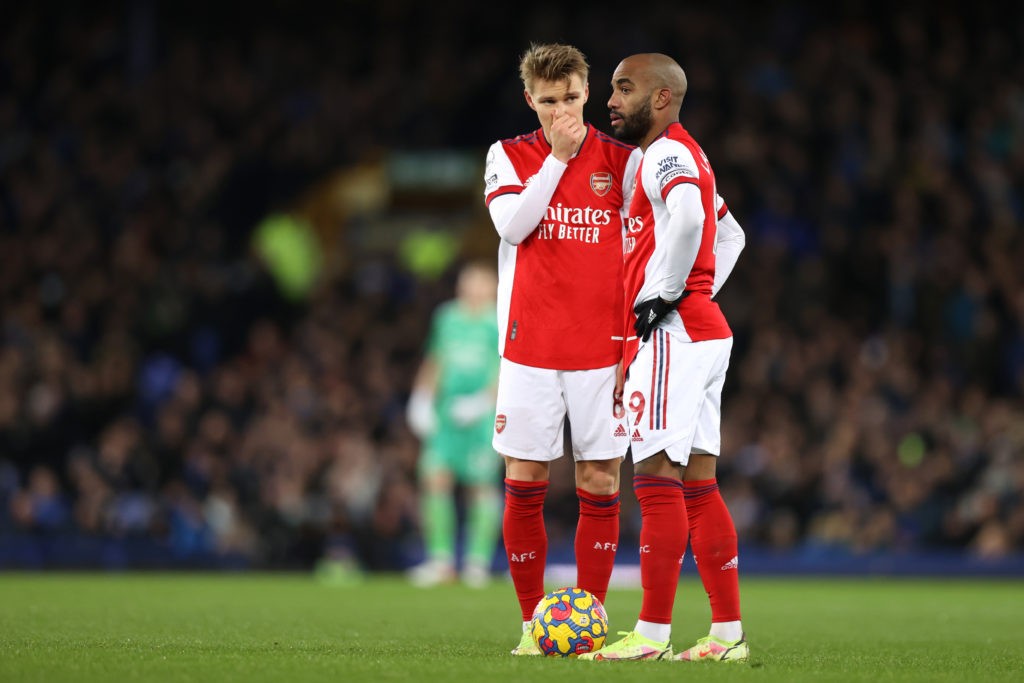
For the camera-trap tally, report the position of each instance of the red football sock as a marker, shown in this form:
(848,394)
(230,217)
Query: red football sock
(597,539)
(663,535)
(526,540)
(715,549)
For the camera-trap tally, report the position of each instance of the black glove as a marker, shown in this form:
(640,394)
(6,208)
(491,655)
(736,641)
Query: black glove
(651,312)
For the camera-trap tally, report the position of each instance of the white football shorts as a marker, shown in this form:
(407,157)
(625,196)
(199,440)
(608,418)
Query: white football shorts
(533,404)
(673,396)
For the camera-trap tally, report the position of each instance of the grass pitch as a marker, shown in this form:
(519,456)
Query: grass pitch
(260,627)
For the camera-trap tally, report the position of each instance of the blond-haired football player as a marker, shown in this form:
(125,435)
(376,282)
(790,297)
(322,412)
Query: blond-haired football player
(555,195)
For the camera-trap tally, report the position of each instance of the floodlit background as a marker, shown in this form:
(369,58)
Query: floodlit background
(222,233)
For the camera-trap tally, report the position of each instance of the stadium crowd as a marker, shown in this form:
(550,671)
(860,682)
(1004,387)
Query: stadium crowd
(157,386)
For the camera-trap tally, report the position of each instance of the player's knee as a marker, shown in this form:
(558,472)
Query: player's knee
(601,481)
(526,470)
(701,466)
(439,481)
(658,465)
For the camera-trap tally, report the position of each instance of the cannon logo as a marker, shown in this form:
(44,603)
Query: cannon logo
(499,423)
(600,183)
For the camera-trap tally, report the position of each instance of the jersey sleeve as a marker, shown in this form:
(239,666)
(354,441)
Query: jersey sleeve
(500,177)
(721,208)
(517,210)
(671,175)
(729,242)
(670,166)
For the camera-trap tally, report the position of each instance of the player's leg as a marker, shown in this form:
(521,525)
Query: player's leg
(598,441)
(438,515)
(662,542)
(483,520)
(528,435)
(597,529)
(482,476)
(713,538)
(526,541)
(714,545)
(660,433)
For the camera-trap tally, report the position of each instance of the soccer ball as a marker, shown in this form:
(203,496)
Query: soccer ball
(568,622)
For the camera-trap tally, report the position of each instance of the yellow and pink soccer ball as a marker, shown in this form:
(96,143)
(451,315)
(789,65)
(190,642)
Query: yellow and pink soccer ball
(569,622)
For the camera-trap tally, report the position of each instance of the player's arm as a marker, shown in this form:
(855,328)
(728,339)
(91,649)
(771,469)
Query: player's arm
(671,177)
(419,413)
(685,225)
(675,255)
(730,241)
(468,408)
(518,210)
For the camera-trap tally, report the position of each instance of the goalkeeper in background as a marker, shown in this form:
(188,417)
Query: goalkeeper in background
(451,410)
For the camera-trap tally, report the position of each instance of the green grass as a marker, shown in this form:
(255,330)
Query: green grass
(261,627)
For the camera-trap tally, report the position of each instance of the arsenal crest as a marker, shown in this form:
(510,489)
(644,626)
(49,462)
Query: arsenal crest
(600,183)
(499,424)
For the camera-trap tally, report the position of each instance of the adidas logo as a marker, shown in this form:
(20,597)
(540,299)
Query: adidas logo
(636,435)
(620,431)
(734,563)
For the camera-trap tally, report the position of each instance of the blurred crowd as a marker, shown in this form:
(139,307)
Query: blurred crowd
(157,384)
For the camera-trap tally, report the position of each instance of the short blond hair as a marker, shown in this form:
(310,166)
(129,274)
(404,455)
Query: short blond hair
(552,62)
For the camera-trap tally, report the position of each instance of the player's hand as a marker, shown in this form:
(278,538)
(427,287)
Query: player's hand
(566,136)
(650,313)
(419,414)
(465,410)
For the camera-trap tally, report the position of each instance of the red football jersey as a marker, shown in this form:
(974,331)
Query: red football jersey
(672,159)
(560,289)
